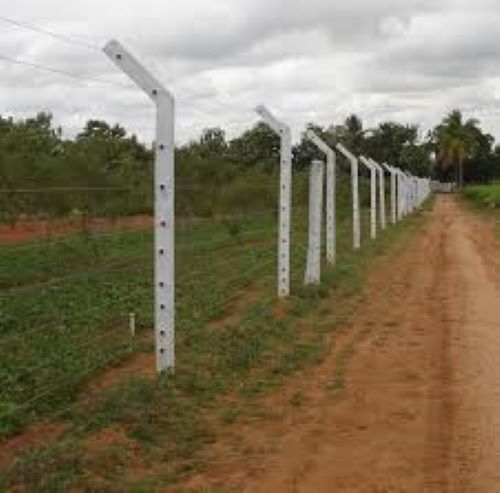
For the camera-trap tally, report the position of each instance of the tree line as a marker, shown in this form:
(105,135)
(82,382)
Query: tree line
(106,171)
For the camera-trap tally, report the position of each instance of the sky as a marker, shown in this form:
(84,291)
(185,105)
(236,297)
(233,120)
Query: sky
(409,61)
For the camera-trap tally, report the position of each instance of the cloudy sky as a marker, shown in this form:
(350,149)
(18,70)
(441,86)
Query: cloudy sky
(308,60)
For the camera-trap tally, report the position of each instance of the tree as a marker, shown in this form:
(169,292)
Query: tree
(455,142)
(351,134)
(259,145)
(305,151)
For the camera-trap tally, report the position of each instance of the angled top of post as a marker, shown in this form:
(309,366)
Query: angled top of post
(131,66)
(367,162)
(349,155)
(378,166)
(390,169)
(319,142)
(278,126)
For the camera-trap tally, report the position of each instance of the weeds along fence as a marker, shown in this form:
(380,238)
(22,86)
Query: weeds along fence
(79,277)
(69,284)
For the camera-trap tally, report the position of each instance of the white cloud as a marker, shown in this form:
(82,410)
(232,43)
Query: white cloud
(407,60)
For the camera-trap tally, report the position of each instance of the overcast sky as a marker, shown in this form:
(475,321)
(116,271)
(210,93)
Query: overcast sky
(308,60)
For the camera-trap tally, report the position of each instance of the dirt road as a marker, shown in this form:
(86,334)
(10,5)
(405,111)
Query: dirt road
(420,411)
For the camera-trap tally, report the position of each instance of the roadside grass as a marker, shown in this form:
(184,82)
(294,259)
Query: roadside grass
(164,423)
(485,199)
(484,195)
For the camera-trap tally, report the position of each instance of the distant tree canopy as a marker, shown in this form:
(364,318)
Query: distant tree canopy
(34,155)
(464,152)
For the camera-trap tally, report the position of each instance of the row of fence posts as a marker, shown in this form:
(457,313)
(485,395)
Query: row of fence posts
(407,193)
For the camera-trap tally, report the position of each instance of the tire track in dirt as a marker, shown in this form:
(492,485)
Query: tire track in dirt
(475,316)
(421,408)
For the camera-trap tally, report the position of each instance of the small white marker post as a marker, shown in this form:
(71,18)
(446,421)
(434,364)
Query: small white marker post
(313,270)
(356,224)
(131,323)
(164,202)
(373,196)
(381,176)
(285,205)
(392,172)
(331,233)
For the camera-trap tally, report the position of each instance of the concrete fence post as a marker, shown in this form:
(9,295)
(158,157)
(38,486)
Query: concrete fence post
(356,222)
(313,270)
(164,186)
(331,233)
(285,199)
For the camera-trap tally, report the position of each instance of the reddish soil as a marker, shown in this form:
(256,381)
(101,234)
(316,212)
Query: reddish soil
(33,229)
(420,409)
(406,400)
(31,438)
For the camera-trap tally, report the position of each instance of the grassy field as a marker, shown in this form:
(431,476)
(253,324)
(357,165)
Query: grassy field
(63,323)
(487,199)
(484,195)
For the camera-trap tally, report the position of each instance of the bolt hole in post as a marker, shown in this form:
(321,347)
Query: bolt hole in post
(164,202)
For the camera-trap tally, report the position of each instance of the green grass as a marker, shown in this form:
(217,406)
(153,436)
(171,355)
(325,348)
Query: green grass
(63,319)
(485,199)
(484,195)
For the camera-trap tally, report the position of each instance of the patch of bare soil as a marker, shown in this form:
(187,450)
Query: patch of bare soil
(31,438)
(28,229)
(408,397)
(137,365)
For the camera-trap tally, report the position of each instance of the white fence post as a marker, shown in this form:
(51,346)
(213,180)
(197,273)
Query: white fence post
(392,173)
(313,270)
(356,224)
(381,176)
(285,205)
(164,203)
(401,194)
(331,233)
(373,196)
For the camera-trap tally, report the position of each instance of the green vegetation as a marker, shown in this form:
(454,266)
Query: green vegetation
(485,198)
(67,355)
(230,339)
(484,195)
(464,152)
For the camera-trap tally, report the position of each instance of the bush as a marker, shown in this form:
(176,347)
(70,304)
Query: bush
(484,195)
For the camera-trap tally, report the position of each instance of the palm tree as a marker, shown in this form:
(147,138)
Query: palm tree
(455,142)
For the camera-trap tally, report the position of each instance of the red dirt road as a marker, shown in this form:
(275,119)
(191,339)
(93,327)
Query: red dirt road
(420,411)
